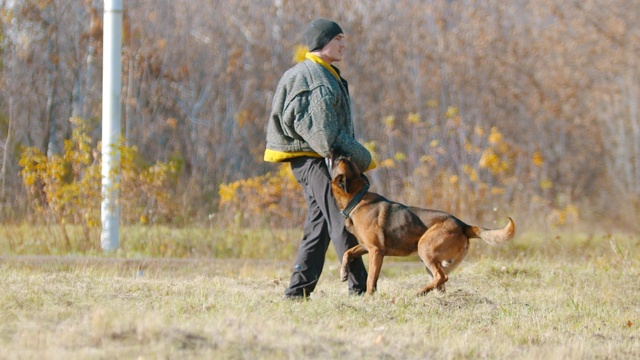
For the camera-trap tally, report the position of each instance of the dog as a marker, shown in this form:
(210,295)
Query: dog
(387,228)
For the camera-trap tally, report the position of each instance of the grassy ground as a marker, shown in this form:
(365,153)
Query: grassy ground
(540,297)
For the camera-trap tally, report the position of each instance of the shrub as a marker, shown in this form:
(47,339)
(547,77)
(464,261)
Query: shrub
(273,199)
(66,188)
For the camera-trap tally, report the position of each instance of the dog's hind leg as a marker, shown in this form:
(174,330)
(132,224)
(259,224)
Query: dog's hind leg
(441,289)
(347,257)
(433,264)
(439,276)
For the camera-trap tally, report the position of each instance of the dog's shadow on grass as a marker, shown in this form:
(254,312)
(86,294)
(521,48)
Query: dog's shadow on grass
(459,299)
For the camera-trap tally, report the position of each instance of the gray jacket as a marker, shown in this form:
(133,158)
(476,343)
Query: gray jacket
(311,113)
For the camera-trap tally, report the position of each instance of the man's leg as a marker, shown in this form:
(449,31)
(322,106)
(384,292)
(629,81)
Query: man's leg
(315,240)
(314,176)
(311,253)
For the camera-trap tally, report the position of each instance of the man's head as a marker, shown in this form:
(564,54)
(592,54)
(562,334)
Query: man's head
(320,32)
(326,39)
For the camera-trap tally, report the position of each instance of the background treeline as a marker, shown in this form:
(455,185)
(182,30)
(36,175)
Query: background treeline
(484,108)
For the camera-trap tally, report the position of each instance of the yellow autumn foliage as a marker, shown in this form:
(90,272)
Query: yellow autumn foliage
(389,121)
(459,165)
(388,163)
(66,188)
(274,197)
(400,156)
(562,217)
(413,118)
(546,184)
(495,137)
(537,159)
(471,172)
(451,112)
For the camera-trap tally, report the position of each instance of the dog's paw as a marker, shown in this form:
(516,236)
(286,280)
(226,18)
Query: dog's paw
(424,291)
(344,274)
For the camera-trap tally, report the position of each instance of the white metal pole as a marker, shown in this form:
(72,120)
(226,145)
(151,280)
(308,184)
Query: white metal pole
(111,91)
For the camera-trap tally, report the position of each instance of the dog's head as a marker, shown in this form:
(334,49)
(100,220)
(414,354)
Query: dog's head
(346,176)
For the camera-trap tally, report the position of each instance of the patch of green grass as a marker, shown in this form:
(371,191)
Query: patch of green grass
(152,241)
(281,244)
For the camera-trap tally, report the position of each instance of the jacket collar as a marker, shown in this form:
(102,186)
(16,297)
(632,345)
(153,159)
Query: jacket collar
(317,59)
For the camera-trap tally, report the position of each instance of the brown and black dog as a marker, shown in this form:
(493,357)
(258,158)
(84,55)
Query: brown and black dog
(386,228)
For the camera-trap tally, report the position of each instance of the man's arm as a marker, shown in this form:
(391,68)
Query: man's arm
(321,130)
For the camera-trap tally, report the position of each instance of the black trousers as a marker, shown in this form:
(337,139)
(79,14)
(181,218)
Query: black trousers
(324,223)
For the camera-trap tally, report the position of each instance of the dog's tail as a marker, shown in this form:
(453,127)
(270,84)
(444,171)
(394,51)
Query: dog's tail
(492,236)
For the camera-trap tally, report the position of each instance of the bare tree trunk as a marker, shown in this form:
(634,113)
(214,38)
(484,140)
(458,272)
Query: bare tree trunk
(632,94)
(7,146)
(128,117)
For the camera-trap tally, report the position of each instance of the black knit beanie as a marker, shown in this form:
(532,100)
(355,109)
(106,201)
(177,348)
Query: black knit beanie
(319,32)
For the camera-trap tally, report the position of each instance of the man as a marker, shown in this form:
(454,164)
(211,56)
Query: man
(311,115)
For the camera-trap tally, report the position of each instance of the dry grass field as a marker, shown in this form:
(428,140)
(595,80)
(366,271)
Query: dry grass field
(540,297)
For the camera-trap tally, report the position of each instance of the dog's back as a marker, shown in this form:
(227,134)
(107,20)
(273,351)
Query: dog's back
(401,227)
(490,236)
(431,217)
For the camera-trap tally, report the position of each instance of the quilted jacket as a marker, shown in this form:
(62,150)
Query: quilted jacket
(311,114)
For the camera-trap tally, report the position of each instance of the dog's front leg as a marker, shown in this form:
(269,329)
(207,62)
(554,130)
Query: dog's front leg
(347,257)
(375,264)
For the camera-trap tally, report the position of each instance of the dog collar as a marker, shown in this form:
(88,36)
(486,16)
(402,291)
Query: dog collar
(354,202)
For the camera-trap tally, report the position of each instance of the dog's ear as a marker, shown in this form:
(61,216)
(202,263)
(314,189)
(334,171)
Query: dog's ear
(333,154)
(343,182)
(365,178)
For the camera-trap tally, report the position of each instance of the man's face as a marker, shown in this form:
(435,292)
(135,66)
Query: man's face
(333,51)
